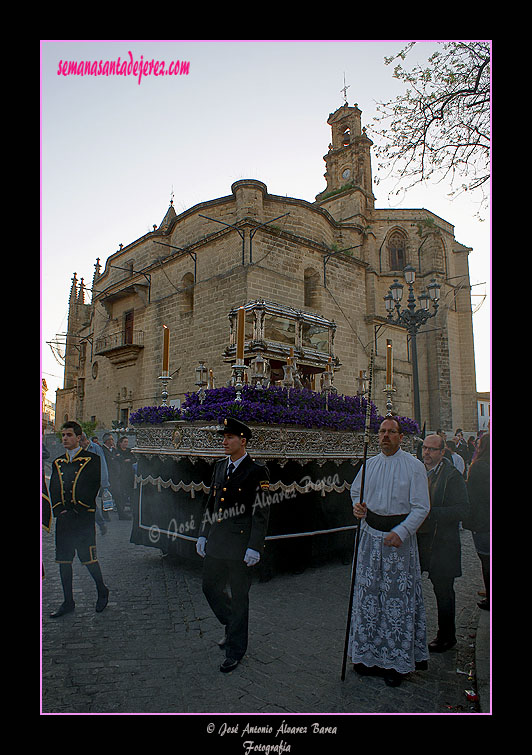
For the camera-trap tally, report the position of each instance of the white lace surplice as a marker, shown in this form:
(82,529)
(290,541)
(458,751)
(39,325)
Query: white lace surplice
(388,625)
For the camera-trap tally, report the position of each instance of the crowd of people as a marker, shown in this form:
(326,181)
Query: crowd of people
(118,467)
(411,511)
(460,451)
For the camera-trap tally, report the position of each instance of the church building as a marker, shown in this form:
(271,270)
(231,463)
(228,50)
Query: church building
(312,278)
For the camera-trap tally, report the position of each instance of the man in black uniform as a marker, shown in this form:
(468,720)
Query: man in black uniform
(74,484)
(232,537)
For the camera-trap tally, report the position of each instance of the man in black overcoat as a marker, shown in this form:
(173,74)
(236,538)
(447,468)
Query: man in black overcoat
(125,460)
(232,536)
(439,536)
(109,451)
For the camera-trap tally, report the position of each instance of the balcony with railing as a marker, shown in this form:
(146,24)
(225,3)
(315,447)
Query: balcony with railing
(120,347)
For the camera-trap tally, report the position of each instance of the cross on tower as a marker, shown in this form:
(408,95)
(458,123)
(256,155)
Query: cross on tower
(344,90)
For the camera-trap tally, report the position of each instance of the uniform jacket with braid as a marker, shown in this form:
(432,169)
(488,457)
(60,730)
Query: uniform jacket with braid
(236,512)
(74,484)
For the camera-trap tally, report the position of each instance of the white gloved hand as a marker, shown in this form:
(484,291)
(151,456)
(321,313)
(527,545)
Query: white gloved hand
(252,557)
(200,546)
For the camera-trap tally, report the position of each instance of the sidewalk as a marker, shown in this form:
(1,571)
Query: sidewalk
(482,661)
(154,649)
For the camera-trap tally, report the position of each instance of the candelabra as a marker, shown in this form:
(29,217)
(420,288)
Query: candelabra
(260,372)
(289,375)
(327,386)
(201,380)
(239,371)
(389,389)
(164,393)
(362,383)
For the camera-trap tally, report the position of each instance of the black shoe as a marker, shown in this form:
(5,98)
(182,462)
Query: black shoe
(102,601)
(392,678)
(440,646)
(229,665)
(66,607)
(484,604)
(422,665)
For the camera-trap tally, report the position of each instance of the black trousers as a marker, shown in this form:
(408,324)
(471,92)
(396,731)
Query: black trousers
(230,608)
(445,600)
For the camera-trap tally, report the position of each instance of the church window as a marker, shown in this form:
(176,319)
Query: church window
(440,258)
(397,251)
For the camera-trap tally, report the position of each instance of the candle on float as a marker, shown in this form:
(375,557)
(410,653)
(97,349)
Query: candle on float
(240,327)
(289,360)
(389,363)
(166,350)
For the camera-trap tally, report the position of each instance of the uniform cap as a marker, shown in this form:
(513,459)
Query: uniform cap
(235,427)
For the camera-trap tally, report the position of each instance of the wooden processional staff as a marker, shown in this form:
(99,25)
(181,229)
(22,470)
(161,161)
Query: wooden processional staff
(357,533)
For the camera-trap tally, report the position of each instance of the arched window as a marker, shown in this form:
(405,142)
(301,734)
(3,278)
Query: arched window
(311,297)
(440,257)
(397,251)
(187,284)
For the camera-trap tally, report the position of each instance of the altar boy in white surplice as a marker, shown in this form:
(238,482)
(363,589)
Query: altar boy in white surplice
(388,634)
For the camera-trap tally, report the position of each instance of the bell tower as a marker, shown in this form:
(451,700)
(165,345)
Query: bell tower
(348,164)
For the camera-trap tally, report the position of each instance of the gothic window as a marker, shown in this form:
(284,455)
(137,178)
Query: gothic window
(439,257)
(188,292)
(397,251)
(311,297)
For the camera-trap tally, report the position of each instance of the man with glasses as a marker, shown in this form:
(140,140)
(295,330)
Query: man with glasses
(388,634)
(439,538)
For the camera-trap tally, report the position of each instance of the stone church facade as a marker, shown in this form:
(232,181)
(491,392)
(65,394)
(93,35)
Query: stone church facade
(312,277)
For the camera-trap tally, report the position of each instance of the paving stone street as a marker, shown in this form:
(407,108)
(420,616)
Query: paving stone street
(154,648)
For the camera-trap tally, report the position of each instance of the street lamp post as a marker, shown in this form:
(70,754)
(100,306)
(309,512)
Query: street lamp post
(411,318)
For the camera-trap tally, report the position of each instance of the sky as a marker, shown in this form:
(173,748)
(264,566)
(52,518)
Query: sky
(115,150)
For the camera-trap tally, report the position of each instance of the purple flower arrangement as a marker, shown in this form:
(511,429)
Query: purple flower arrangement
(273,406)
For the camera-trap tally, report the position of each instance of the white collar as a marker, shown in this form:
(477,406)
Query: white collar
(237,462)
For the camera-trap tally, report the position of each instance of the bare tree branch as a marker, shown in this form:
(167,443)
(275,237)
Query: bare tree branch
(440,126)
